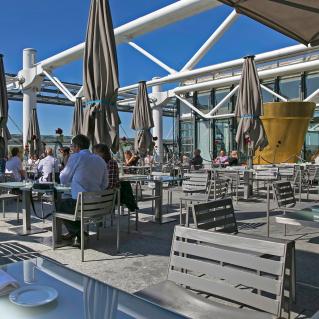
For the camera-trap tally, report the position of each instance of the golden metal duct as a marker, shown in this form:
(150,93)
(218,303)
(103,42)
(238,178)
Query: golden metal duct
(287,123)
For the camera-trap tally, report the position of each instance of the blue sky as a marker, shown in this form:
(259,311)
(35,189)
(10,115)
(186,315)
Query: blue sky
(54,26)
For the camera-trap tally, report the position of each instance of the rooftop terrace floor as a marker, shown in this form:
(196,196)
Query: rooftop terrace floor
(144,254)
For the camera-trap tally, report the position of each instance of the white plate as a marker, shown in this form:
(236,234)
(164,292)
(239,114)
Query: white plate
(31,296)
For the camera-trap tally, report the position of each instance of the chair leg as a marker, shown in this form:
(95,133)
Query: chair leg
(118,229)
(42,210)
(284,226)
(97,231)
(82,241)
(128,221)
(152,200)
(180,211)
(87,230)
(171,195)
(18,210)
(136,219)
(53,232)
(4,214)
(167,208)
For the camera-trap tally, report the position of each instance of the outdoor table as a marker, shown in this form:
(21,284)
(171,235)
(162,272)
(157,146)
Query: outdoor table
(158,180)
(27,228)
(79,296)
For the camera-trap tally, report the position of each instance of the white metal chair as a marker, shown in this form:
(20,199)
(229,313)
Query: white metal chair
(91,208)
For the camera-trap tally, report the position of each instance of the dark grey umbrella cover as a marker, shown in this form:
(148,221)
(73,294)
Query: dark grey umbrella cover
(77,122)
(100,78)
(37,147)
(249,107)
(297,19)
(142,120)
(4,110)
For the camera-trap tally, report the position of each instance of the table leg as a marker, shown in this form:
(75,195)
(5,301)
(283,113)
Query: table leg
(158,218)
(27,228)
(268,210)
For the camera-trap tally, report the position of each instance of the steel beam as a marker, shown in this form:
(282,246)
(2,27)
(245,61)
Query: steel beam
(158,19)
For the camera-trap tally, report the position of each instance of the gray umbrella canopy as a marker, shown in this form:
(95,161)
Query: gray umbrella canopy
(100,78)
(77,122)
(297,19)
(142,120)
(4,109)
(33,130)
(249,107)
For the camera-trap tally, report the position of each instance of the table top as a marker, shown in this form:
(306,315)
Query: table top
(16,184)
(310,214)
(126,176)
(58,187)
(158,179)
(79,296)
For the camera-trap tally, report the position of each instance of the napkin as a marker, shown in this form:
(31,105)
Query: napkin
(7,283)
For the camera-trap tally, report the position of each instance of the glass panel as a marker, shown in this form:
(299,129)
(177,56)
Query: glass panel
(204,101)
(268,97)
(290,87)
(219,96)
(312,142)
(203,139)
(187,140)
(312,84)
(222,135)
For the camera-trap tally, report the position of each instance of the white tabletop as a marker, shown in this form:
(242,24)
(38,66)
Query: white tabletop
(79,296)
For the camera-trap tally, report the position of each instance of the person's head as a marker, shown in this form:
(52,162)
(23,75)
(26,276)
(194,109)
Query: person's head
(103,151)
(79,143)
(147,154)
(222,153)
(48,152)
(234,154)
(128,154)
(197,152)
(15,152)
(30,156)
(65,151)
(35,157)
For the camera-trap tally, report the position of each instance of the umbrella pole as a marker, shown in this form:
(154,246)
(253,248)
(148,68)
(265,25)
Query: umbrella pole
(249,185)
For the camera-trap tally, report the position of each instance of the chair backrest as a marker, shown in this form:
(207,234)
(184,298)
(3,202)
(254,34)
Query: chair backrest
(195,262)
(195,181)
(269,173)
(94,204)
(313,173)
(283,194)
(286,171)
(217,189)
(9,177)
(218,215)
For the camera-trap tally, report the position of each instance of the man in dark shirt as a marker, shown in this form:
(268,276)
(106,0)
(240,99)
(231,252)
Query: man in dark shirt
(197,160)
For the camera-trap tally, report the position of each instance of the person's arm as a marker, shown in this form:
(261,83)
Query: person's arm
(67,174)
(20,168)
(105,180)
(40,166)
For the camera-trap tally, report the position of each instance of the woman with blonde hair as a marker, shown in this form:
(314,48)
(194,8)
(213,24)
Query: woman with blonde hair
(233,159)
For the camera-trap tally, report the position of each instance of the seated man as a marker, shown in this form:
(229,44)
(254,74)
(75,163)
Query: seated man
(222,158)
(197,160)
(47,164)
(87,172)
(14,165)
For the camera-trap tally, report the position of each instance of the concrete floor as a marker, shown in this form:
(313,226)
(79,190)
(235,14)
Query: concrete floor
(144,254)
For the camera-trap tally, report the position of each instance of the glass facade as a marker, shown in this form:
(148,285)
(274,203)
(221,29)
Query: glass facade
(212,136)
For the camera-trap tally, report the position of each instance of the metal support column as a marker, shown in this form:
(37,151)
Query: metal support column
(29,94)
(158,125)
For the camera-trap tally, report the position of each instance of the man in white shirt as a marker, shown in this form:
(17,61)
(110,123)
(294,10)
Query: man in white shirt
(46,165)
(87,172)
(14,165)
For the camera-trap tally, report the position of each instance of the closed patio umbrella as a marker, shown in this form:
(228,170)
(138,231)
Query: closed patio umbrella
(142,120)
(4,109)
(100,78)
(34,134)
(77,122)
(297,19)
(249,108)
